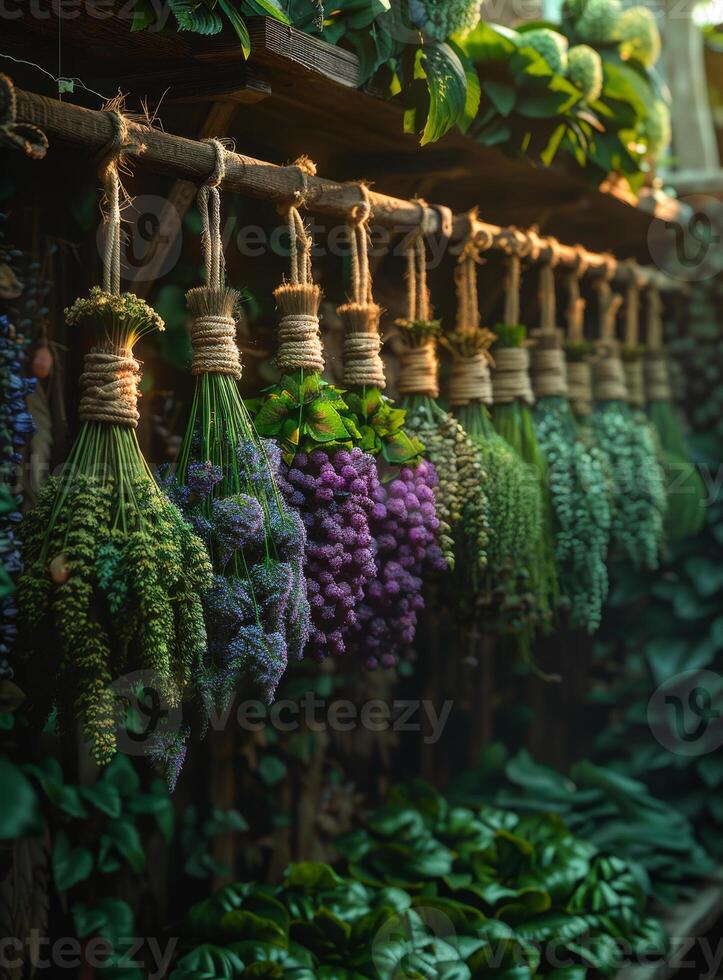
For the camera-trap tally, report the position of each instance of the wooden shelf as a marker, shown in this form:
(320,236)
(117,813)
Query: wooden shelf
(298,95)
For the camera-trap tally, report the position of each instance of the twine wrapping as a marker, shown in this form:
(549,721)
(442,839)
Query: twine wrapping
(655,366)
(419,371)
(608,376)
(657,377)
(511,376)
(634,382)
(470,381)
(575,303)
(109,387)
(213,306)
(298,301)
(16,135)
(361,315)
(549,372)
(579,384)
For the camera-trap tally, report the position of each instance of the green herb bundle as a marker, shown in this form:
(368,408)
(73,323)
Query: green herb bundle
(226,482)
(576,476)
(686,492)
(513,492)
(379,420)
(113,573)
(512,419)
(638,486)
(461,496)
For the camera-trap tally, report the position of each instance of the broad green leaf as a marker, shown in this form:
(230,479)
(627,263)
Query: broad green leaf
(447,81)
(502,95)
(272,415)
(487,42)
(71,865)
(312,876)
(20,813)
(238,24)
(323,422)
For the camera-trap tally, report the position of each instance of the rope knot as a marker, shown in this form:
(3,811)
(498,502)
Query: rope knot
(470,381)
(18,136)
(419,371)
(109,386)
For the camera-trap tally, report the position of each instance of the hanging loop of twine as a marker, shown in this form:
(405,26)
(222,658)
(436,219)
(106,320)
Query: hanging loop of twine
(112,192)
(418,305)
(299,340)
(213,330)
(516,245)
(27,137)
(362,343)
(579,384)
(575,302)
(109,386)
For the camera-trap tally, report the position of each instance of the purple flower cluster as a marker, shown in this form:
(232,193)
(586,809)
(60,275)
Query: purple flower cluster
(335,496)
(16,428)
(257,613)
(405,528)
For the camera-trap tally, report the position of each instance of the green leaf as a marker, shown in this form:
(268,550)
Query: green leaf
(323,422)
(122,836)
(70,865)
(474,90)
(447,81)
(272,414)
(271,770)
(238,24)
(19,806)
(143,15)
(487,42)
(192,16)
(501,94)
(270,8)
(111,918)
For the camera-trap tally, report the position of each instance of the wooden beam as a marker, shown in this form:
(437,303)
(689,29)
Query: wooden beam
(233,82)
(194,161)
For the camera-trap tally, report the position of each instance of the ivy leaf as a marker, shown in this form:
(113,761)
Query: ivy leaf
(122,836)
(111,918)
(474,92)
(70,865)
(447,81)
(501,94)
(487,42)
(323,422)
(400,449)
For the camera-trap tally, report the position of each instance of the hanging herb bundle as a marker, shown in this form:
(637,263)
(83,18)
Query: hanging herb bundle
(403,522)
(575,474)
(637,481)
(326,475)
(113,573)
(512,419)
(225,483)
(461,499)
(686,491)
(515,501)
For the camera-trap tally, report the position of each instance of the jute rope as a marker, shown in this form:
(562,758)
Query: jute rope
(419,367)
(575,302)
(633,365)
(470,381)
(419,371)
(213,331)
(110,377)
(549,373)
(360,316)
(109,387)
(579,373)
(657,375)
(298,301)
(511,373)
(511,376)
(17,135)
(608,375)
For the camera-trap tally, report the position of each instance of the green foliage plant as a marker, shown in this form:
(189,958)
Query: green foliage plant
(113,573)
(461,496)
(576,479)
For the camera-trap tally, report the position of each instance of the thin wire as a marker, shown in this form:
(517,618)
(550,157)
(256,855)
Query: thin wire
(75,81)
